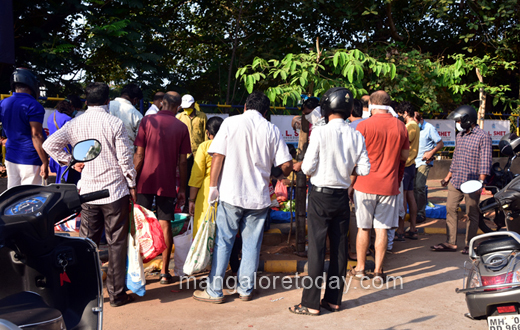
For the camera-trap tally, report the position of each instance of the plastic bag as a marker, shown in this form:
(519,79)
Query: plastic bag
(182,244)
(201,251)
(281,191)
(148,233)
(135,280)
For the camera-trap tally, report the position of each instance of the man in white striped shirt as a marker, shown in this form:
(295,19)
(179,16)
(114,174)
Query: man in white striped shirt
(114,170)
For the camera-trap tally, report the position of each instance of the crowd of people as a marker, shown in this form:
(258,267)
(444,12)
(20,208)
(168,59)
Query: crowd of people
(371,154)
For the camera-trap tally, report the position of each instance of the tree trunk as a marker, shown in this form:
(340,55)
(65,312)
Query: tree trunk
(482,98)
(235,45)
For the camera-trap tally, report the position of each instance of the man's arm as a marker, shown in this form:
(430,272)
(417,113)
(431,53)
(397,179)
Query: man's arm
(125,159)
(287,168)
(37,140)
(428,155)
(404,154)
(216,168)
(139,159)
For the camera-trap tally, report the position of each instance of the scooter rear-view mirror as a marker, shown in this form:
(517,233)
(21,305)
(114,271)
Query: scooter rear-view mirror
(87,150)
(470,186)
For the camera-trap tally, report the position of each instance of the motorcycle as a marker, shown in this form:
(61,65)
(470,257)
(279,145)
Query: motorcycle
(509,146)
(49,281)
(492,276)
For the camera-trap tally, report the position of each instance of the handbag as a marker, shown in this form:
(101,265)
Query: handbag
(201,251)
(182,244)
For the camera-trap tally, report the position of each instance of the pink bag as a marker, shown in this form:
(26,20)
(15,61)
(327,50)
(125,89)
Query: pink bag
(148,233)
(281,190)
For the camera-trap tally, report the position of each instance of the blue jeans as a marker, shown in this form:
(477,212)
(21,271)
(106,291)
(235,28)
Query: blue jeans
(231,219)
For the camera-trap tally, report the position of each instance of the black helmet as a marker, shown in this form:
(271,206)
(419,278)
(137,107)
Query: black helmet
(337,99)
(26,77)
(466,114)
(509,144)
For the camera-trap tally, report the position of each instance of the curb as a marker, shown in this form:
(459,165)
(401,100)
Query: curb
(301,266)
(442,231)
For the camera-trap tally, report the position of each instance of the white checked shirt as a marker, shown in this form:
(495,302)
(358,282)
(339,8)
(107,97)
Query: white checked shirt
(333,151)
(113,169)
(252,145)
(124,110)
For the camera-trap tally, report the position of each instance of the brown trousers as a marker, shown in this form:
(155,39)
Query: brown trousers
(112,217)
(455,196)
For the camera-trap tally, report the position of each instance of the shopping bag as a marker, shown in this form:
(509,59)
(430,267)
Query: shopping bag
(135,280)
(182,244)
(148,233)
(201,251)
(281,191)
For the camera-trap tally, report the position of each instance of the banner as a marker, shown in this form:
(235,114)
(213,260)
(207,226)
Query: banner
(496,129)
(284,125)
(446,130)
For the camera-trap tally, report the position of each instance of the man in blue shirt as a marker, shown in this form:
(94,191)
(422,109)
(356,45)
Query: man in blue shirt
(429,143)
(22,117)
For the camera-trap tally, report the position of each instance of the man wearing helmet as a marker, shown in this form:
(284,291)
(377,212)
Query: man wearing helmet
(335,152)
(471,161)
(22,117)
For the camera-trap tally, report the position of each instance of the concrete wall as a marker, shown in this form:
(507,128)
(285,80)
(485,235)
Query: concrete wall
(441,167)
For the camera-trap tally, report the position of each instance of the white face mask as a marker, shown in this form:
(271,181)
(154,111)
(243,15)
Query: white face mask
(459,127)
(366,114)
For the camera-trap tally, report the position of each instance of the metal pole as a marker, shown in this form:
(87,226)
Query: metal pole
(301,191)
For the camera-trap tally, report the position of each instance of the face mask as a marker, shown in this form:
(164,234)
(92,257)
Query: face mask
(366,114)
(459,128)
(188,111)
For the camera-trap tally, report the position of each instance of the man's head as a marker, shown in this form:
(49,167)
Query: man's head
(365,99)
(171,102)
(76,101)
(337,100)
(157,99)
(97,93)
(258,101)
(379,98)
(132,93)
(310,104)
(418,117)
(24,81)
(406,109)
(357,110)
(187,101)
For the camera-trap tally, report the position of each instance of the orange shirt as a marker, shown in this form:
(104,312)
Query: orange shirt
(385,137)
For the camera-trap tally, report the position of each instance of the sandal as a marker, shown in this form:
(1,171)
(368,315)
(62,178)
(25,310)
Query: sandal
(442,247)
(327,306)
(166,279)
(399,238)
(411,235)
(465,250)
(302,310)
(358,275)
(380,278)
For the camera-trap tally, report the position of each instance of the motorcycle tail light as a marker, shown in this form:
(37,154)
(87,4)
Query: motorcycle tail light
(474,281)
(499,279)
(506,309)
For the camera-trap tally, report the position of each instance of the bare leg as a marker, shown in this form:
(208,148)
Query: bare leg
(168,238)
(363,240)
(409,197)
(380,246)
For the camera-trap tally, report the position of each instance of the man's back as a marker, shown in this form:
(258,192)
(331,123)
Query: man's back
(124,110)
(413,137)
(164,138)
(428,139)
(17,112)
(385,137)
(251,145)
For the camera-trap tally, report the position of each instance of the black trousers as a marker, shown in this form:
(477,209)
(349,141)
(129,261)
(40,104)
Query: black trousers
(327,214)
(114,218)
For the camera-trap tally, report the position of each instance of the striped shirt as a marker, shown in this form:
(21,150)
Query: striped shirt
(472,156)
(113,169)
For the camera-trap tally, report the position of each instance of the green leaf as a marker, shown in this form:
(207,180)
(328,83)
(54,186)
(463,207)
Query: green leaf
(350,73)
(283,74)
(336,58)
(393,71)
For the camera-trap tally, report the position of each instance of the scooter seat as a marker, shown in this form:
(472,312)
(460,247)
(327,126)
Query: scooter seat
(28,311)
(497,244)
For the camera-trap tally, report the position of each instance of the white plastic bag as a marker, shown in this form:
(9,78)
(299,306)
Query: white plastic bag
(135,280)
(182,244)
(201,252)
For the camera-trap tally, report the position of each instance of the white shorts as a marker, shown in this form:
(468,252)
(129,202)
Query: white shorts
(18,174)
(376,211)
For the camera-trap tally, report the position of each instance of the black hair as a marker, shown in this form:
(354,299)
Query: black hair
(65,107)
(132,91)
(407,107)
(173,99)
(292,150)
(97,93)
(364,103)
(311,103)
(20,86)
(258,101)
(75,100)
(213,125)
(158,96)
(357,108)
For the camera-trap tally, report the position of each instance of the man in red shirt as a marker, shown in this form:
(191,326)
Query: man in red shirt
(161,140)
(376,194)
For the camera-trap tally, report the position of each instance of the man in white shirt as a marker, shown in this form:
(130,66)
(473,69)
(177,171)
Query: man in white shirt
(123,108)
(336,151)
(244,150)
(156,104)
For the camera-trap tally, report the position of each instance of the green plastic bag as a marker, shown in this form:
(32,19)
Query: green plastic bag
(201,251)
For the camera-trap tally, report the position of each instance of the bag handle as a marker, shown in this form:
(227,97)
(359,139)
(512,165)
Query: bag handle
(131,225)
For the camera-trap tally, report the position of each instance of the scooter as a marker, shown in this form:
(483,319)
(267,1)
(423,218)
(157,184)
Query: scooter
(48,281)
(492,277)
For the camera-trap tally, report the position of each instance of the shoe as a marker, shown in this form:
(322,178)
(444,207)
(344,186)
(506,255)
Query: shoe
(166,279)
(128,299)
(399,238)
(249,297)
(203,295)
(327,306)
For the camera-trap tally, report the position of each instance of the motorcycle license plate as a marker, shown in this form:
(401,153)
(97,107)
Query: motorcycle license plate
(506,322)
